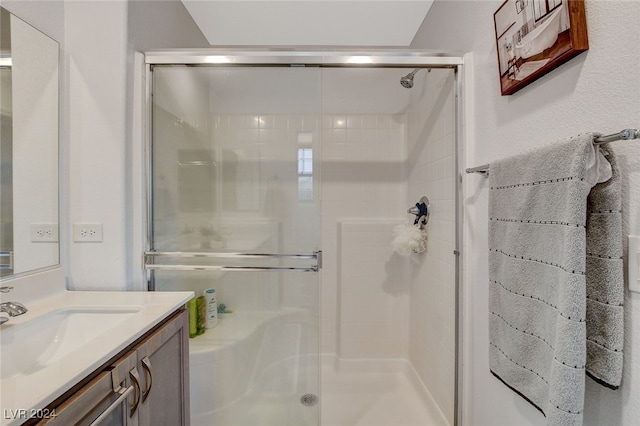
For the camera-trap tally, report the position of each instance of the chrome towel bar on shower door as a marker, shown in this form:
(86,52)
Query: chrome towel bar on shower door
(150,255)
(312,268)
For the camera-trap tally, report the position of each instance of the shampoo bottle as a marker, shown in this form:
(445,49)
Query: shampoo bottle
(211,307)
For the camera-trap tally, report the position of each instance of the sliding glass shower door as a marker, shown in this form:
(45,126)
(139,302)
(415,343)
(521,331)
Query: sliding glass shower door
(234,206)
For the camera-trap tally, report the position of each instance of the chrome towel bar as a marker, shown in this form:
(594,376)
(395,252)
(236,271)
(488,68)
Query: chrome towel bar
(622,135)
(626,134)
(483,170)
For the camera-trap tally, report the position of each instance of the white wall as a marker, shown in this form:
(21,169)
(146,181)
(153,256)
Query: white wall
(104,163)
(99,158)
(95,50)
(597,91)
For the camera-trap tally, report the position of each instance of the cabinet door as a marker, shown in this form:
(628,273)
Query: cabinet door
(163,362)
(110,397)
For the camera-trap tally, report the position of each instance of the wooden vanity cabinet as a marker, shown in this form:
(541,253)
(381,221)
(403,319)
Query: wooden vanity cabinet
(163,361)
(147,386)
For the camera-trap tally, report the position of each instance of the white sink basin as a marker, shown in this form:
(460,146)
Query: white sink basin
(32,346)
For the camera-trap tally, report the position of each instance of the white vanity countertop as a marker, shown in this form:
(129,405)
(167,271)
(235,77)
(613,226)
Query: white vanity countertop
(34,391)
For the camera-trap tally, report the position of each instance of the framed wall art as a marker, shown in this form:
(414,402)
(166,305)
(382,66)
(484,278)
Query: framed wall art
(535,36)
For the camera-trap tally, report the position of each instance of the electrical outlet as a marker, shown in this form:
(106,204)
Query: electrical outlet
(87,232)
(44,232)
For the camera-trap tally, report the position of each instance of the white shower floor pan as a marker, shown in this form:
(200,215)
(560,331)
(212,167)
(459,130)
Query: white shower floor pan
(252,369)
(375,393)
(228,388)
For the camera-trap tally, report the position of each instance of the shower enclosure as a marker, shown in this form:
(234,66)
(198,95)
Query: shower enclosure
(265,171)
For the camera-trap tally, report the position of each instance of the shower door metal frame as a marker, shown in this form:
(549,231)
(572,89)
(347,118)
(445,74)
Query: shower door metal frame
(334,58)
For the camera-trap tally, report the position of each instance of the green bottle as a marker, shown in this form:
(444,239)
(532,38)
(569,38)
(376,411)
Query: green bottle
(193,318)
(201,314)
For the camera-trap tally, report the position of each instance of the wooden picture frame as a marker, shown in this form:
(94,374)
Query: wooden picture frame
(534,37)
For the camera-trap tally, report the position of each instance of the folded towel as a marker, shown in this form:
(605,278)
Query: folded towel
(537,273)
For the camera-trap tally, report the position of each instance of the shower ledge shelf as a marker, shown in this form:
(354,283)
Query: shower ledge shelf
(238,327)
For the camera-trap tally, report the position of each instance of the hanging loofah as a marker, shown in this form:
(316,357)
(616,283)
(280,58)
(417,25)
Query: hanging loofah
(408,239)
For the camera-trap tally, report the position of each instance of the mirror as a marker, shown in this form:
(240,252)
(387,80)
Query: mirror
(28,148)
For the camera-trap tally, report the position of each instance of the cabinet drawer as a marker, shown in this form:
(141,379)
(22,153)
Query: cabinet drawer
(106,391)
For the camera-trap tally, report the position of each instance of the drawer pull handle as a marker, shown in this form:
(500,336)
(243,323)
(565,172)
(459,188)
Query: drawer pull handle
(123,392)
(146,364)
(135,377)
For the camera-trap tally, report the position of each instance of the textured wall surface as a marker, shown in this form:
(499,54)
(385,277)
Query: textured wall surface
(597,91)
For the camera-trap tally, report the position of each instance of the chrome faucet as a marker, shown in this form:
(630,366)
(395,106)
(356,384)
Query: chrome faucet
(12,308)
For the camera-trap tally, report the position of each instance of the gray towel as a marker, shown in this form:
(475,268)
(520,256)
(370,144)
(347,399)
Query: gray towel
(537,272)
(605,280)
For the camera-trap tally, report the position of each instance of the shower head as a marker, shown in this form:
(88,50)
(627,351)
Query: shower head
(407,80)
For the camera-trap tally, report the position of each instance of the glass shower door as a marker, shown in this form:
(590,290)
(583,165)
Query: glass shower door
(234,190)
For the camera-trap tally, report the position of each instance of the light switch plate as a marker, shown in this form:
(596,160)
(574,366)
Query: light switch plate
(634,263)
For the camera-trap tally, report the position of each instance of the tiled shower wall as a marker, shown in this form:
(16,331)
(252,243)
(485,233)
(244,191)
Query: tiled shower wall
(236,177)
(431,172)
(373,291)
(264,149)
(361,161)
(364,298)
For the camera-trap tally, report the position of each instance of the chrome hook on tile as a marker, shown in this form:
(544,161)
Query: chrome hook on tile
(421,212)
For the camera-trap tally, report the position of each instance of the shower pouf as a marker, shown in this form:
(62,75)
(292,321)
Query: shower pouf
(408,239)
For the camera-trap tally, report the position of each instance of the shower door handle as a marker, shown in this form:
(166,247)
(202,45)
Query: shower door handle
(235,255)
(150,265)
(156,267)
